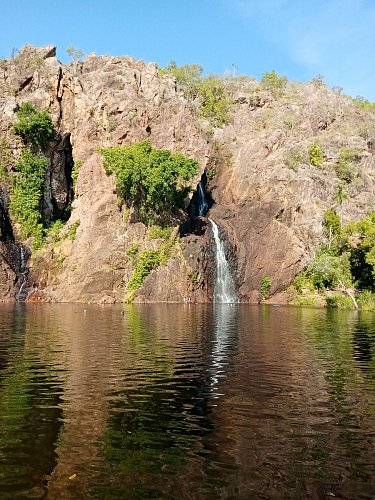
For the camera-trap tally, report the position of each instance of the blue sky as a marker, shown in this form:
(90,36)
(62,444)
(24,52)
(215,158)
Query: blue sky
(298,38)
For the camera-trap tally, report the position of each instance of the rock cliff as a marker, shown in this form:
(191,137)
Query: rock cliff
(268,199)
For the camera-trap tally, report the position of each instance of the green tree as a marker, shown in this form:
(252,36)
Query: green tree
(316,155)
(188,75)
(274,83)
(75,54)
(209,91)
(153,180)
(215,105)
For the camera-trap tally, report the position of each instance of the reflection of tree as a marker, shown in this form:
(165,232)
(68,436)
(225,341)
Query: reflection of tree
(333,340)
(364,344)
(29,416)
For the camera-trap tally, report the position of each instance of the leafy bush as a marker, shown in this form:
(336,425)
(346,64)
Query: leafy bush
(146,262)
(274,83)
(366,300)
(53,232)
(265,286)
(316,156)
(73,229)
(27,187)
(210,91)
(363,103)
(187,76)
(6,160)
(348,262)
(157,232)
(215,105)
(339,300)
(346,164)
(331,271)
(331,222)
(151,179)
(34,127)
(293,159)
(133,250)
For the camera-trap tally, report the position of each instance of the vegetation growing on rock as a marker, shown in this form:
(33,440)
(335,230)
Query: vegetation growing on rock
(275,83)
(28,178)
(34,127)
(209,91)
(152,180)
(27,193)
(346,263)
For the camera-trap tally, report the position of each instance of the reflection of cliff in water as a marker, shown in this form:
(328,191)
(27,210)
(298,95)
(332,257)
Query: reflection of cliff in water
(187,401)
(159,418)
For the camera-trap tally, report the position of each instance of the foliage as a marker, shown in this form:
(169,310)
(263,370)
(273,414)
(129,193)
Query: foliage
(303,282)
(215,105)
(331,222)
(363,103)
(75,170)
(27,193)
(75,54)
(265,286)
(34,127)
(209,91)
(362,234)
(158,232)
(346,263)
(318,81)
(341,194)
(274,83)
(331,271)
(339,300)
(111,123)
(186,76)
(6,160)
(154,180)
(133,250)
(146,262)
(194,277)
(73,229)
(316,155)
(53,233)
(346,164)
(366,300)
(293,159)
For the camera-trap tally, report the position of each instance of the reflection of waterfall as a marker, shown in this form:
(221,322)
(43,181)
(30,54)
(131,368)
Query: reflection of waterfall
(225,316)
(23,275)
(224,290)
(202,203)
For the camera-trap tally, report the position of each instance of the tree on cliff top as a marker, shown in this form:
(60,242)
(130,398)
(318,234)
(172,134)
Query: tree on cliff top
(153,180)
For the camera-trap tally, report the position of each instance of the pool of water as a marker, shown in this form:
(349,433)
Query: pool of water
(186,402)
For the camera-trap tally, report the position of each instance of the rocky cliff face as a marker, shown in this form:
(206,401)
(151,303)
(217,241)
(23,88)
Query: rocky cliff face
(268,198)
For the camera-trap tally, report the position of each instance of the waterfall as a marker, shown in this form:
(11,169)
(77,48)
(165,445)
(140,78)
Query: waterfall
(202,203)
(224,291)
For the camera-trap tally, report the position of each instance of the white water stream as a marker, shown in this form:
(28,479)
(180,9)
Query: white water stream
(224,291)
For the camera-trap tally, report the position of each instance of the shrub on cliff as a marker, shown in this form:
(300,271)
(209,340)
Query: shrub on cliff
(34,127)
(274,83)
(27,193)
(209,91)
(153,180)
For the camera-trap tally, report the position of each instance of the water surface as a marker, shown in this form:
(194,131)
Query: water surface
(186,401)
